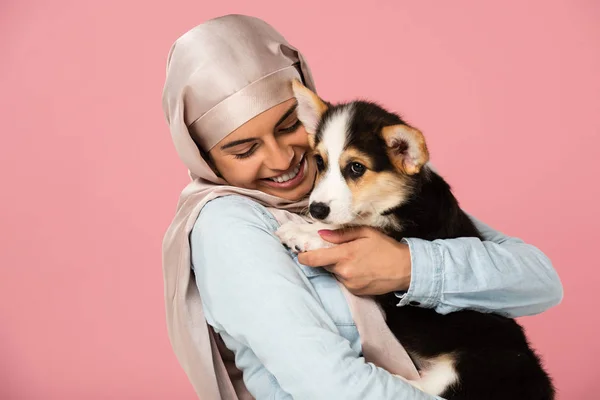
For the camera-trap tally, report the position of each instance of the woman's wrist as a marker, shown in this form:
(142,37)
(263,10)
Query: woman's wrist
(401,264)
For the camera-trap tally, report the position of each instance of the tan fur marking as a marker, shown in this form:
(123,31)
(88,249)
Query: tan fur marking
(353,155)
(376,192)
(311,140)
(417,147)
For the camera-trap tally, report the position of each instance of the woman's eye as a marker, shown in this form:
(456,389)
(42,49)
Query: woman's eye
(356,169)
(248,153)
(320,162)
(291,128)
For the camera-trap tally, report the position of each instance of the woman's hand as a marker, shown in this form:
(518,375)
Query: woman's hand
(365,260)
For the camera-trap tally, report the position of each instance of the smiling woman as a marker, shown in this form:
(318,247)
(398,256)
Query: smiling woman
(267,153)
(235,124)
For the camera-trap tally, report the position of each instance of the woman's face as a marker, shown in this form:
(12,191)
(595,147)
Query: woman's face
(268,153)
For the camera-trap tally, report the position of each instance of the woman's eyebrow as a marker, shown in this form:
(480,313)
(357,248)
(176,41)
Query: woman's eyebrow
(242,141)
(287,114)
(236,142)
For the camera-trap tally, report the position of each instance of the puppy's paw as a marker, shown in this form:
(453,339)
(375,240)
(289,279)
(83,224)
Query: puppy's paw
(302,237)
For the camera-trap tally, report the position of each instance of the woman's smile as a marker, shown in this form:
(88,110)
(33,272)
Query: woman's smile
(291,178)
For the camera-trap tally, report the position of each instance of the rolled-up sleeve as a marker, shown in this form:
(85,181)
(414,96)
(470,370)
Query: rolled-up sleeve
(500,274)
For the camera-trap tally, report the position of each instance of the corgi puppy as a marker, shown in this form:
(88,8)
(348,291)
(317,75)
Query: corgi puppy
(373,170)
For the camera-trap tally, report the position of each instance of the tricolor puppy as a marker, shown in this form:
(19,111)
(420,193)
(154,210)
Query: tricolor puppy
(373,170)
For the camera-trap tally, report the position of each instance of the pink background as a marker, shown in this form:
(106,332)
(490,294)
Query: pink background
(508,96)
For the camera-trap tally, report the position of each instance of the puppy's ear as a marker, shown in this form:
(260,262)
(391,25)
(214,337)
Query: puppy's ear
(406,148)
(310,108)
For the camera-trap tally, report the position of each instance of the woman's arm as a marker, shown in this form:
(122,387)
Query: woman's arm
(252,289)
(500,274)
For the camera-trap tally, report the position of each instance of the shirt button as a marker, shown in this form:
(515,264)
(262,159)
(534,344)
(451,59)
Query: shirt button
(414,303)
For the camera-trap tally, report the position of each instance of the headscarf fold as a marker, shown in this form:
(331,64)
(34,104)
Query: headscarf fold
(220,75)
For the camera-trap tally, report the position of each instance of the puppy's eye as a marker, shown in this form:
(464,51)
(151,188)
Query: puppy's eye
(356,170)
(320,162)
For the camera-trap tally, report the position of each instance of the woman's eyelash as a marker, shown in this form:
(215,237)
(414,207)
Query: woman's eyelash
(289,129)
(292,128)
(248,153)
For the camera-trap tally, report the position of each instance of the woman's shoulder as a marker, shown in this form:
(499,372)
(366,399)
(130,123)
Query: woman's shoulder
(235,210)
(229,229)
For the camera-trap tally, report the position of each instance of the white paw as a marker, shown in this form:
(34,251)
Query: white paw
(302,237)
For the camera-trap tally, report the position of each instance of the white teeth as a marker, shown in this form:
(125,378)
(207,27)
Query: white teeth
(288,176)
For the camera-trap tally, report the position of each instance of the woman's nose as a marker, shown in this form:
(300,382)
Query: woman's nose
(280,157)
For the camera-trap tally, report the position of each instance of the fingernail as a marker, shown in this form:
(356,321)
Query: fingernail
(325,232)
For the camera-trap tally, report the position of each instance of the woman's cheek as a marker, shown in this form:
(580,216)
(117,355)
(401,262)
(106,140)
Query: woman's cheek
(301,138)
(250,173)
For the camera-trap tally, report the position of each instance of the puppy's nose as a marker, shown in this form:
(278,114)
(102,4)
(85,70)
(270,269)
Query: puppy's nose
(319,210)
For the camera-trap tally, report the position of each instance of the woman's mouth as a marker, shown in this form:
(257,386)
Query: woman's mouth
(289,179)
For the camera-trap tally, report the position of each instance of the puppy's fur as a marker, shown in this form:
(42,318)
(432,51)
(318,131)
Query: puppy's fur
(373,170)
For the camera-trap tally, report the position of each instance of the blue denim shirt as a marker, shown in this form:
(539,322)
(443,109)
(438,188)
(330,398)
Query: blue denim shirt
(290,327)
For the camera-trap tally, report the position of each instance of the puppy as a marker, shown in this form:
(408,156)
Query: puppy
(373,170)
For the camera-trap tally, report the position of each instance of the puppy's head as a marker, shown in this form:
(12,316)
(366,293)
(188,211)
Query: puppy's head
(368,159)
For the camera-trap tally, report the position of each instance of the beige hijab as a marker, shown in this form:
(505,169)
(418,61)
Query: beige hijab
(220,75)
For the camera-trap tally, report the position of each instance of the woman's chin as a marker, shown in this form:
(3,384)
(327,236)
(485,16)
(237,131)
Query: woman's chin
(291,195)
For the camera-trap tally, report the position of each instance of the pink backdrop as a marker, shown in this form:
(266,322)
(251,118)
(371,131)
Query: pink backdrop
(507,95)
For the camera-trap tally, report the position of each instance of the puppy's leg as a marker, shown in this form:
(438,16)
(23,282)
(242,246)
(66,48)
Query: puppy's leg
(439,375)
(303,237)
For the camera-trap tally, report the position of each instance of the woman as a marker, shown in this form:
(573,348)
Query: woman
(293,329)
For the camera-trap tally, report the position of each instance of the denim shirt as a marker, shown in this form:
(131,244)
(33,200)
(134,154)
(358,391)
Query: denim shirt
(290,327)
